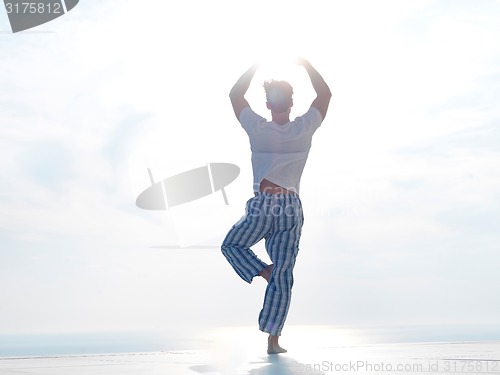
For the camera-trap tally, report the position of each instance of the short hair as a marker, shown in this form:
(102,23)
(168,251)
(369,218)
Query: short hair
(278,95)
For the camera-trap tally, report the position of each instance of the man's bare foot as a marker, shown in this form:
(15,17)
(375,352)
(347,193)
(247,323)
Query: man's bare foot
(273,347)
(266,272)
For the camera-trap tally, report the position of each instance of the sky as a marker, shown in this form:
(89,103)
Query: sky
(401,190)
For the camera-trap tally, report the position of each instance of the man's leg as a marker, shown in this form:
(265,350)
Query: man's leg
(283,251)
(282,246)
(247,232)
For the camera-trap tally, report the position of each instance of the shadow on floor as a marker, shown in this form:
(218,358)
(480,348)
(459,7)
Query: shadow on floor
(271,365)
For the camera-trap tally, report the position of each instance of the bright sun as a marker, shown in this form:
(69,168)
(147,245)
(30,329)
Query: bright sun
(282,68)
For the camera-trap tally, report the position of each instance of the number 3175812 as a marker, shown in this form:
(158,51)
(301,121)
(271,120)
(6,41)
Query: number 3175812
(32,8)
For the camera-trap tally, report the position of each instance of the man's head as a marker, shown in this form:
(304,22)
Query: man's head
(279,96)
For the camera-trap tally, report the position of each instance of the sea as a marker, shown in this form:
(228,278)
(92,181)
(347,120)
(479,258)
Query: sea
(65,344)
(78,343)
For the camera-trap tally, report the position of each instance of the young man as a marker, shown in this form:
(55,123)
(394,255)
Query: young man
(279,152)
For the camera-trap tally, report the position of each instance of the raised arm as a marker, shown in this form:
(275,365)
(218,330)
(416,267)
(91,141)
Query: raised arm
(237,94)
(323,93)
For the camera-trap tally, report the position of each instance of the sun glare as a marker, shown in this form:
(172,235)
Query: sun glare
(278,67)
(281,68)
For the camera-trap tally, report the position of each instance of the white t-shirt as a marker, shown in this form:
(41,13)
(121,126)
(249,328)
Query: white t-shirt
(279,152)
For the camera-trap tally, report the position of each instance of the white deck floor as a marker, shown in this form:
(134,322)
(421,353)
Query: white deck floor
(419,358)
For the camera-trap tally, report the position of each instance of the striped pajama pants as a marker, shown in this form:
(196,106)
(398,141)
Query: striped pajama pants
(278,219)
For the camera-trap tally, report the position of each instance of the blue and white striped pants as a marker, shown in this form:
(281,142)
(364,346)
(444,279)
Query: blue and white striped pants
(278,219)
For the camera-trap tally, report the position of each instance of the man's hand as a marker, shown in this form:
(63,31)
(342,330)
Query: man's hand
(301,61)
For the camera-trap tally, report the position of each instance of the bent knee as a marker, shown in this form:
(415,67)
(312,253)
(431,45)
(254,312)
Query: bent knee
(227,248)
